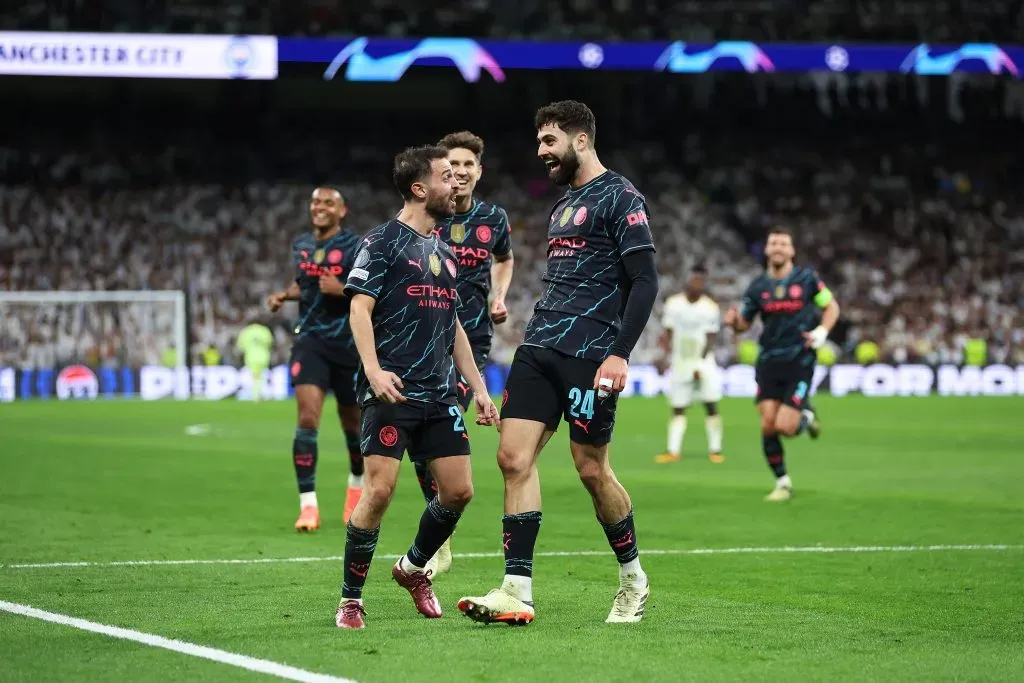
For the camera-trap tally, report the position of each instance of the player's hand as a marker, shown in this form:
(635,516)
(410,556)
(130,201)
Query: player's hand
(275,301)
(613,370)
(385,386)
(815,339)
(499,313)
(331,285)
(732,316)
(486,411)
(661,365)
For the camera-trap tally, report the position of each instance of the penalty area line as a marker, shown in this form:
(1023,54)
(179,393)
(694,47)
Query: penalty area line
(262,666)
(812,549)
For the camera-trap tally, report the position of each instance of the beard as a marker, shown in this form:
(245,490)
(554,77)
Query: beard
(566,169)
(440,206)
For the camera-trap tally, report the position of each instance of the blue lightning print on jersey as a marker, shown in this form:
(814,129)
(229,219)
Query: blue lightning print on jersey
(412,278)
(590,229)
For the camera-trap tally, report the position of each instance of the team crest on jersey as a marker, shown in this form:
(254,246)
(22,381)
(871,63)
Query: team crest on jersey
(581,216)
(318,256)
(795,291)
(780,292)
(565,216)
(435,264)
(458,232)
(452,268)
(334,256)
(483,233)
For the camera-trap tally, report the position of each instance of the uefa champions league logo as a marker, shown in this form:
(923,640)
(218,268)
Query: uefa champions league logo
(676,59)
(921,61)
(465,54)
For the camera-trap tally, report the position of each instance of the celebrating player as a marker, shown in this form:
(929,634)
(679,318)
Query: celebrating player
(691,322)
(404,321)
(323,355)
(791,301)
(477,231)
(600,286)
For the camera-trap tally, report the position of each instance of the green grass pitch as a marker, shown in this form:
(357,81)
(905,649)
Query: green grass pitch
(115,481)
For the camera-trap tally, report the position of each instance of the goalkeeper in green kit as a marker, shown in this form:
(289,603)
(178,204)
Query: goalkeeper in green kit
(254,343)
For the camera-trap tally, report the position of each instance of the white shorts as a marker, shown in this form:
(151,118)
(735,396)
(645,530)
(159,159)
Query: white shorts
(684,391)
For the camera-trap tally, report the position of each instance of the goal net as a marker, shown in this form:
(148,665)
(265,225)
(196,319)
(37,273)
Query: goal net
(87,344)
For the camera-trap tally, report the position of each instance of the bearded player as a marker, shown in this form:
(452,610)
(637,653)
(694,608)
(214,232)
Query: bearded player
(324,356)
(406,326)
(479,236)
(599,289)
(798,312)
(691,323)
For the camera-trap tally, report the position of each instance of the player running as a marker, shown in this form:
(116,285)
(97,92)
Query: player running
(691,322)
(323,355)
(798,312)
(406,328)
(600,286)
(478,235)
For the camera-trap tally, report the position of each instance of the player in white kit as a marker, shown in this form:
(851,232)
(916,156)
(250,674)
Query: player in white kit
(691,321)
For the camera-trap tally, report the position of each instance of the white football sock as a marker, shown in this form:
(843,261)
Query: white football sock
(713,425)
(406,566)
(632,569)
(308,499)
(519,586)
(676,430)
(355,481)
(783,482)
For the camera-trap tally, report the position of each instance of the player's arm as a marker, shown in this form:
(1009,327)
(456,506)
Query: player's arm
(711,336)
(501,271)
(277,299)
(824,300)
(632,233)
(486,413)
(385,385)
(742,317)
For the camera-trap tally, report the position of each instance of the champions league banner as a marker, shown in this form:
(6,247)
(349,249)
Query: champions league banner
(78,382)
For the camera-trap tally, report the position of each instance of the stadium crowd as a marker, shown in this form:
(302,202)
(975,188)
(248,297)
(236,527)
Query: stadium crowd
(905,20)
(924,251)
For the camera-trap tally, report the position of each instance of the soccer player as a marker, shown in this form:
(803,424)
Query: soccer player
(407,330)
(691,322)
(323,355)
(599,289)
(798,312)
(478,235)
(255,342)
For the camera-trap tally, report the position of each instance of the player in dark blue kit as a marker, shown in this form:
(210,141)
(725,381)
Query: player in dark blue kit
(798,312)
(478,234)
(324,355)
(404,320)
(599,290)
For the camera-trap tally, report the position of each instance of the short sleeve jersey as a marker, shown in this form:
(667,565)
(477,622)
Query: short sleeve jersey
(413,280)
(321,317)
(690,322)
(787,310)
(474,236)
(590,230)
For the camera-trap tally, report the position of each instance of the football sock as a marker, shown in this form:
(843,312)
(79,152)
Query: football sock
(622,538)
(304,455)
(308,499)
(426,480)
(774,454)
(676,431)
(713,425)
(436,524)
(355,454)
(518,538)
(359,547)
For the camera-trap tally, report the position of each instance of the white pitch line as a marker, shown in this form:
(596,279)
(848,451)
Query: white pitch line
(569,553)
(262,666)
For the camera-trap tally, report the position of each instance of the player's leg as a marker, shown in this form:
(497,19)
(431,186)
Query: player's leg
(383,439)
(530,412)
(773,450)
(676,432)
(257,364)
(350,416)
(795,417)
(309,400)
(614,512)
(711,394)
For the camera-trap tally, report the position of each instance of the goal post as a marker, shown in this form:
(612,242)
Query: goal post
(44,331)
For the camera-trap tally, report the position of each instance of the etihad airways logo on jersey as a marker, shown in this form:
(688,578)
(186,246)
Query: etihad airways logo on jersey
(470,256)
(782,306)
(432,297)
(316,270)
(565,246)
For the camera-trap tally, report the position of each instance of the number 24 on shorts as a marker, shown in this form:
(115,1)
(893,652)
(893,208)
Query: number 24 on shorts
(582,403)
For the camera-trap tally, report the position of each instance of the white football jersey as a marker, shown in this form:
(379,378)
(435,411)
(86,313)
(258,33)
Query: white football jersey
(690,324)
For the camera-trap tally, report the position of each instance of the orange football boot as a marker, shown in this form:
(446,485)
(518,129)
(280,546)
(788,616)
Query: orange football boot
(309,519)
